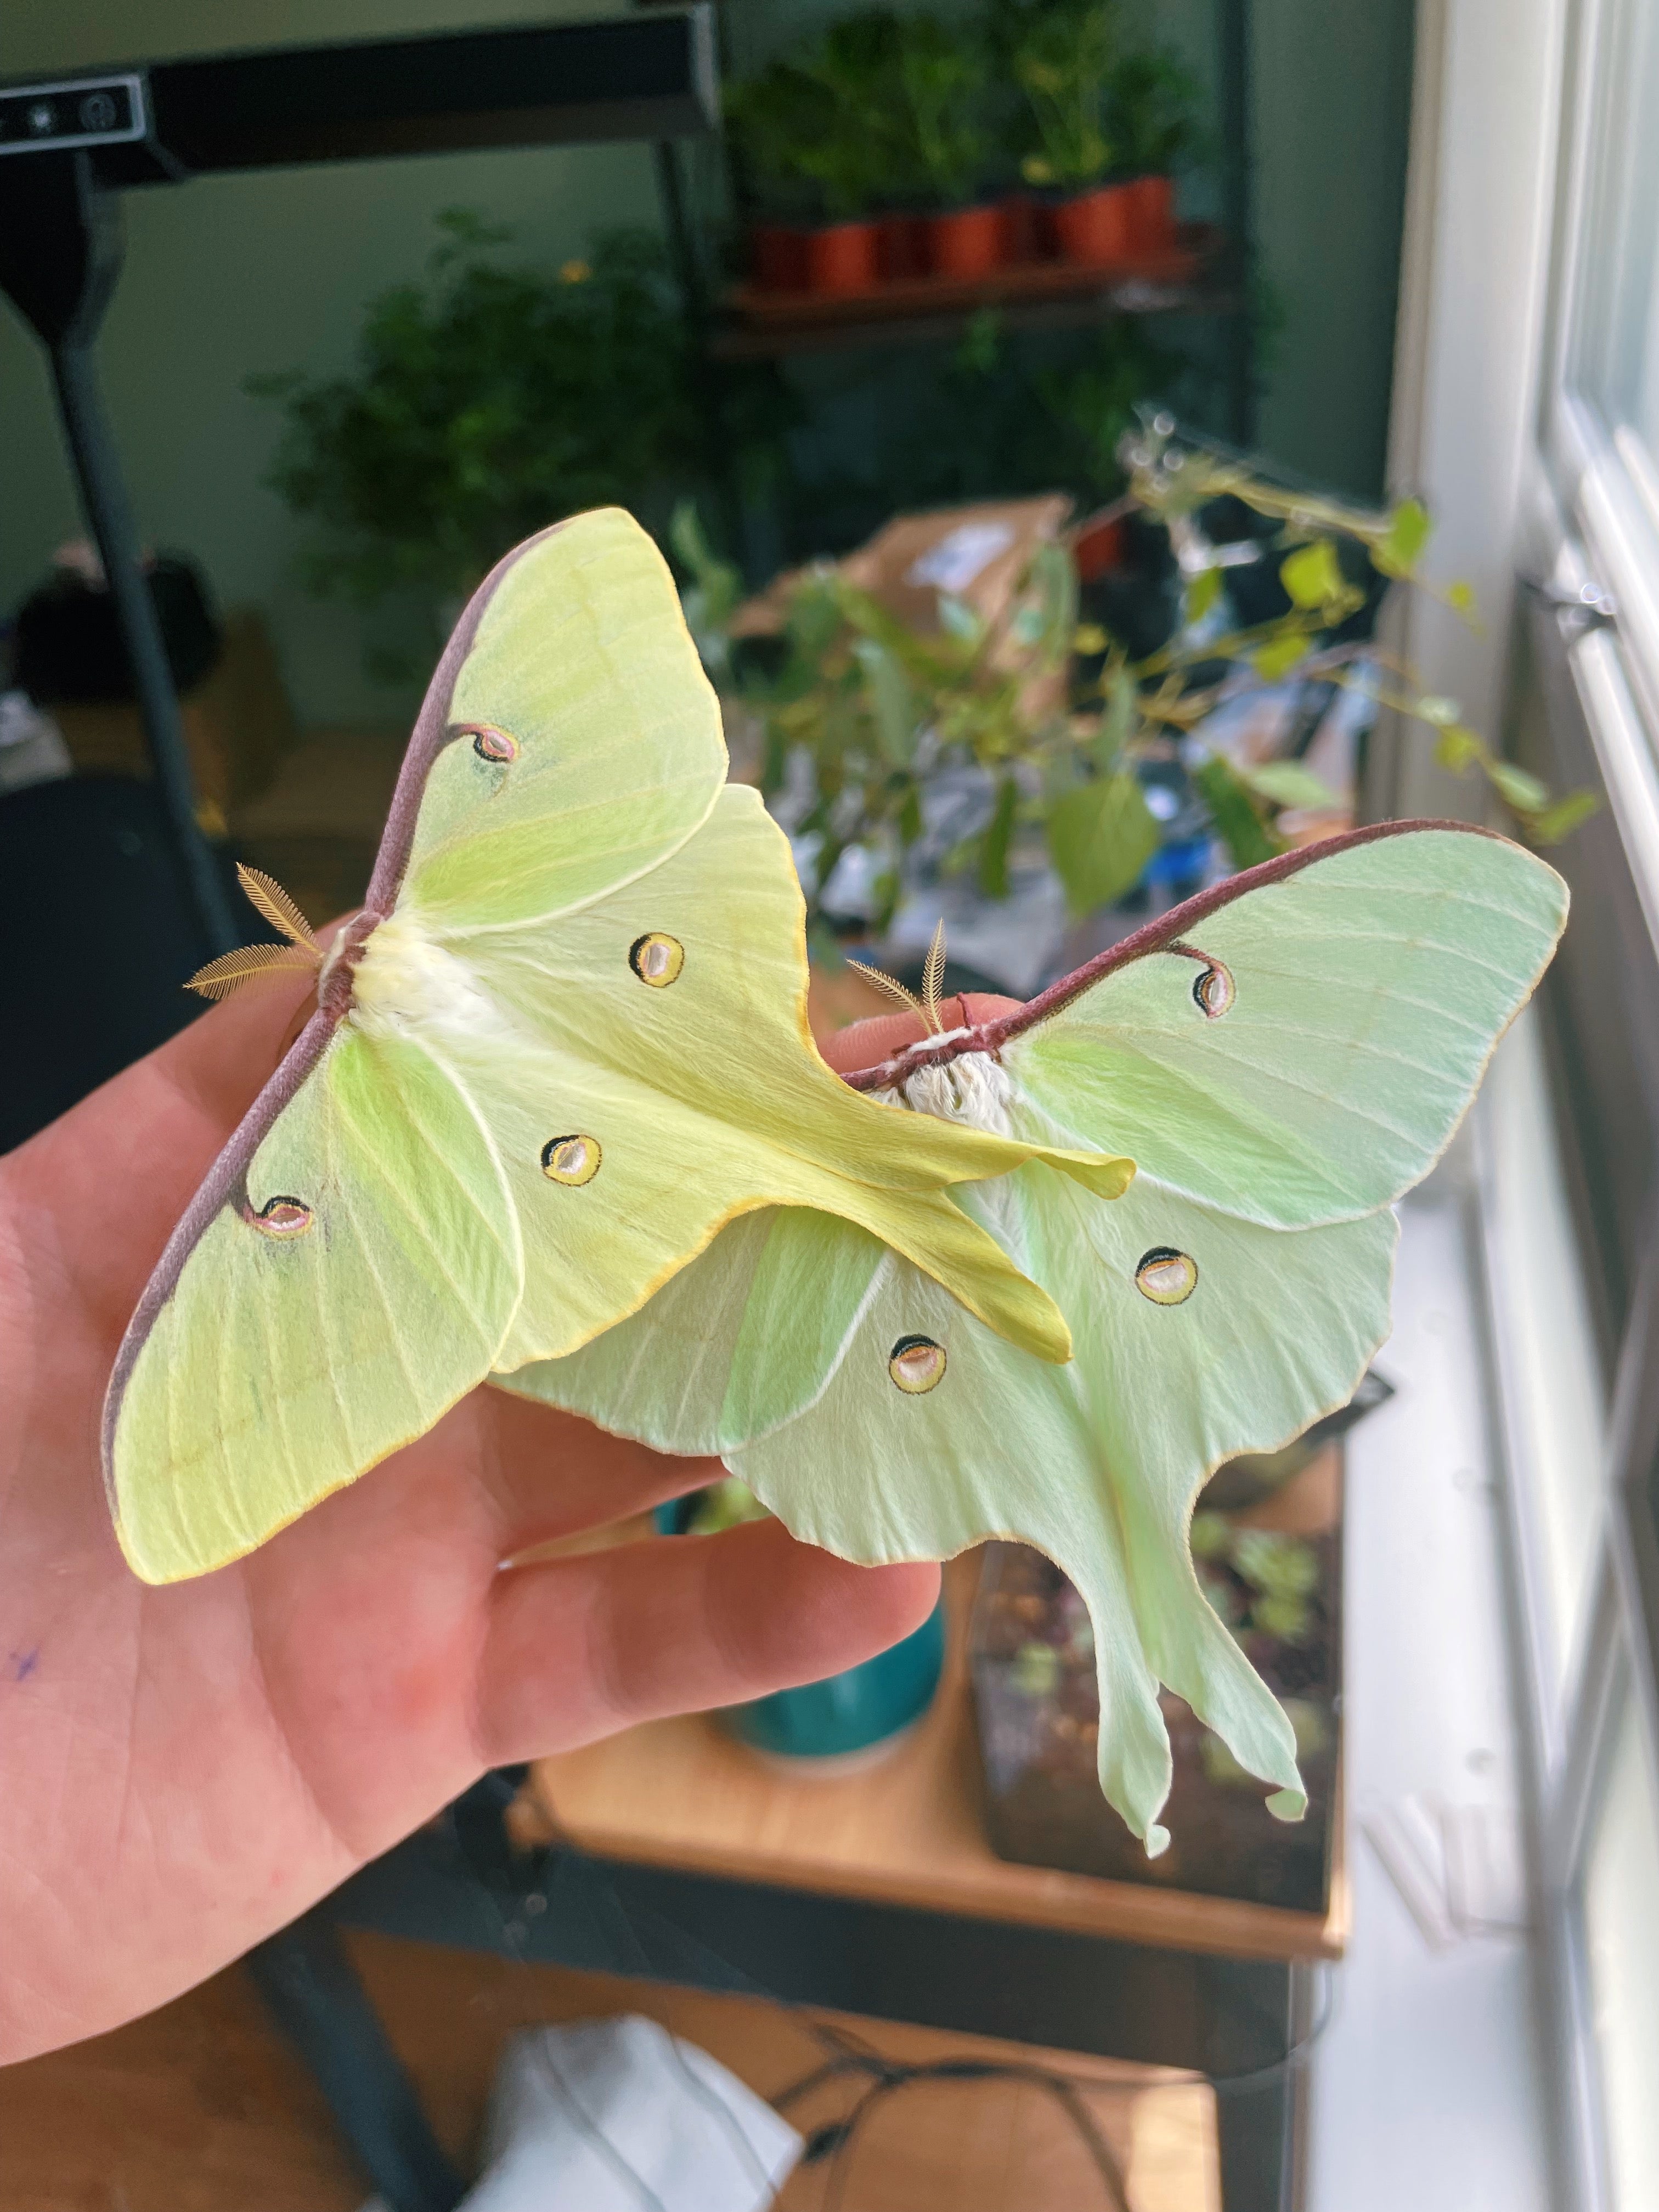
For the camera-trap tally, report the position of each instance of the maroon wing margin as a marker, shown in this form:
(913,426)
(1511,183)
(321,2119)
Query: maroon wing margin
(227,1178)
(1163,930)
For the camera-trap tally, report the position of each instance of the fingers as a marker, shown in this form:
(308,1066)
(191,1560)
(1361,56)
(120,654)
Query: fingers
(547,1474)
(864,1044)
(581,1647)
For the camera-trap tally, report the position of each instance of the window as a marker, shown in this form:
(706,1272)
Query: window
(1606,431)
(1570,1126)
(1618,1909)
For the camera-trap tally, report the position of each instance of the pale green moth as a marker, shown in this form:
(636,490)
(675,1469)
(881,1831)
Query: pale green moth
(1282,1056)
(565,1042)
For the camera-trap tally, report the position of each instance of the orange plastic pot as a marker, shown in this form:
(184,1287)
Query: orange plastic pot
(965,242)
(777,257)
(1024,234)
(901,247)
(1154,214)
(842,257)
(1096,229)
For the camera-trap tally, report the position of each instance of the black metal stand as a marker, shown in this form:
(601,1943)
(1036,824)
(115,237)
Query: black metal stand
(60,254)
(66,147)
(1238,212)
(311,1990)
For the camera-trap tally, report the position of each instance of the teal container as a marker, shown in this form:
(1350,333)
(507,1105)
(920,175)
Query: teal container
(850,1712)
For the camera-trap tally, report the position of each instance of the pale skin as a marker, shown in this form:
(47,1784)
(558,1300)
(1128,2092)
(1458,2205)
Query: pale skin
(184,1770)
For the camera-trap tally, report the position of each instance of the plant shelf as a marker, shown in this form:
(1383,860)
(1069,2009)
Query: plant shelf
(760,323)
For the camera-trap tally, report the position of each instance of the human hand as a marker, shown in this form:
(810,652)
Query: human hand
(184,1770)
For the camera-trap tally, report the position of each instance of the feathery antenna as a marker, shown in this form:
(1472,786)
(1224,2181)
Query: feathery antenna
(932,975)
(277,907)
(249,964)
(259,963)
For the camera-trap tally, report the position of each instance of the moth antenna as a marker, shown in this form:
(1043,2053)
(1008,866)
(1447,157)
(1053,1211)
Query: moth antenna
(250,963)
(893,987)
(932,975)
(277,907)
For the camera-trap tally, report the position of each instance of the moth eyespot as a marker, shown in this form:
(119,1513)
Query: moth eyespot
(572,1159)
(656,959)
(917,1363)
(1214,990)
(1165,1276)
(281,1216)
(490,744)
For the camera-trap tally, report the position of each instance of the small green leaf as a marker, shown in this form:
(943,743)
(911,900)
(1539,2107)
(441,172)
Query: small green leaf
(1101,835)
(994,850)
(1523,791)
(1233,811)
(1408,533)
(1118,724)
(1460,597)
(1089,638)
(1287,783)
(892,705)
(958,619)
(1202,593)
(1313,575)
(1457,748)
(1554,823)
(1280,655)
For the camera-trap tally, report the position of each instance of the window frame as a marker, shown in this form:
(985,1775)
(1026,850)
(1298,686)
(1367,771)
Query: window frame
(1586,644)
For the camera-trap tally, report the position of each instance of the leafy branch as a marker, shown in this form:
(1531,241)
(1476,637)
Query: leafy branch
(863,711)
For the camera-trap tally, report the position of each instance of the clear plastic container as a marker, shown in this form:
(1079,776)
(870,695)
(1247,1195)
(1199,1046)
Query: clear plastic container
(1032,1659)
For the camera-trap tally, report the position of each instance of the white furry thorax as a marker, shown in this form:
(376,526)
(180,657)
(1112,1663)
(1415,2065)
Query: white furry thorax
(405,982)
(974,1088)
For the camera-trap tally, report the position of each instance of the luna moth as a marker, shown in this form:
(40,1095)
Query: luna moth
(562,1044)
(1283,1056)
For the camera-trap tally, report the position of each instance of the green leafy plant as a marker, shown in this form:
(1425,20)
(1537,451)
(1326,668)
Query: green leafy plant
(830,128)
(486,402)
(1061,58)
(1060,723)
(944,70)
(1152,108)
(1176,480)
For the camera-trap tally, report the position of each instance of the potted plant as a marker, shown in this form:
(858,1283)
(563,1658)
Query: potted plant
(828,122)
(1061,59)
(766,117)
(943,75)
(1151,103)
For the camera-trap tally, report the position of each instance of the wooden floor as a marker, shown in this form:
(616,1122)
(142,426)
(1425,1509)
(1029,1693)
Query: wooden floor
(200,2108)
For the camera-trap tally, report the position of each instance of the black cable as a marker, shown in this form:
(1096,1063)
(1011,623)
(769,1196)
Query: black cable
(885,2076)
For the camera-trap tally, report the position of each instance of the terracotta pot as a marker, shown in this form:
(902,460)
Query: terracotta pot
(1097,548)
(841,257)
(1025,235)
(965,242)
(1154,223)
(1096,228)
(777,257)
(901,247)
